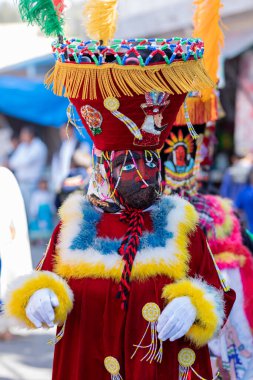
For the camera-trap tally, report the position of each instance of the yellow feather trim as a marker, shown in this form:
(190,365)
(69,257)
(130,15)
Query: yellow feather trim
(200,111)
(22,290)
(207,319)
(207,26)
(100,19)
(112,80)
(142,269)
(230,258)
(70,209)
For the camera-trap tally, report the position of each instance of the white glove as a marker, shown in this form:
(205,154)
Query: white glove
(40,308)
(176,319)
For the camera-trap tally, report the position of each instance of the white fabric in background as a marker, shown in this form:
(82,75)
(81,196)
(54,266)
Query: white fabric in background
(14,242)
(236,332)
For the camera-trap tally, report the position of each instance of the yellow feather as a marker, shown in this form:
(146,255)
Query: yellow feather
(206,321)
(100,19)
(141,270)
(207,26)
(229,258)
(18,298)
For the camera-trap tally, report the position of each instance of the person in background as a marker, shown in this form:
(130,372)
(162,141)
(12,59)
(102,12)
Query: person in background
(244,201)
(28,163)
(235,176)
(5,139)
(41,212)
(15,254)
(14,145)
(63,159)
(77,178)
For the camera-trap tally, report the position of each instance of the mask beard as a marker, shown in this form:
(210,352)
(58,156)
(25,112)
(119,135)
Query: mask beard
(136,197)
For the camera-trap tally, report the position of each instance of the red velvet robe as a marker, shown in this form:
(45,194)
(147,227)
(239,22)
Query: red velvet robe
(97,327)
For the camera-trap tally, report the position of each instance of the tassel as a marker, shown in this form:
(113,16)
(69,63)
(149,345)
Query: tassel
(151,313)
(100,19)
(44,14)
(58,337)
(191,129)
(207,26)
(186,359)
(223,282)
(72,80)
(76,122)
(198,156)
(112,366)
(112,104)
(200,112)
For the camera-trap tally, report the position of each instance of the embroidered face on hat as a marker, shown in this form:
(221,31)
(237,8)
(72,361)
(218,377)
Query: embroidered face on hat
(181,159)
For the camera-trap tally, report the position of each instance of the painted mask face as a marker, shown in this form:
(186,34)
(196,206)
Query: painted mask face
(138,190)
(180,156)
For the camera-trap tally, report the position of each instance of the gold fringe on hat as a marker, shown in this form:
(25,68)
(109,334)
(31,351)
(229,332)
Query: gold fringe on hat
(100,19)
(200,111)
(87,80)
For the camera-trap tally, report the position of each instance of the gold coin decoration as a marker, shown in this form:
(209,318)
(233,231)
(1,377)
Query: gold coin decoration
(151,312)
(111,103)
(112,365)
(186,357)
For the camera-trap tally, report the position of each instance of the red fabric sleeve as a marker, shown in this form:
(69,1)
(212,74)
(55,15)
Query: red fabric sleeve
(47,260)
(202,265)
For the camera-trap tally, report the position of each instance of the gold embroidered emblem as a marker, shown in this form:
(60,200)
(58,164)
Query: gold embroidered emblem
(186,357)
(151,312)
(111,103)
(112,366)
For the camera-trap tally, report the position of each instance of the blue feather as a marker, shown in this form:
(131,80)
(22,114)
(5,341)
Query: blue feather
(87,236)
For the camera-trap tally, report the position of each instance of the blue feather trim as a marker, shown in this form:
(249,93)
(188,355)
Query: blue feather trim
(87,236)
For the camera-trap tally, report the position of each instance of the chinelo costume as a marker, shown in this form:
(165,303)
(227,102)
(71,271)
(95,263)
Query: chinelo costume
(126,270)
(186,163)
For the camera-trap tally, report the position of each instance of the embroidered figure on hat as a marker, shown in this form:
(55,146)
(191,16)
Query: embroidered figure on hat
(93,118)
(156,102)
(181,149)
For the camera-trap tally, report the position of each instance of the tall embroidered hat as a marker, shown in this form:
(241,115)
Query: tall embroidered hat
(127,92)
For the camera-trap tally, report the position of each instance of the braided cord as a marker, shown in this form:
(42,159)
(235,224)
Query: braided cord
(131,240)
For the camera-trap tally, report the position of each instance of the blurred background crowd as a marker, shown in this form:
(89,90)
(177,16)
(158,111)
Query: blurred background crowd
(45,177)
(50,158)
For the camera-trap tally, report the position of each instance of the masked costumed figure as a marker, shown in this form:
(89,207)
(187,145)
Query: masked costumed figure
(128,273)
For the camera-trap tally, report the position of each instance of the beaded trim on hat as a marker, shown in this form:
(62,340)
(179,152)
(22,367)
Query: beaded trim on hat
(176,48)
(88,70)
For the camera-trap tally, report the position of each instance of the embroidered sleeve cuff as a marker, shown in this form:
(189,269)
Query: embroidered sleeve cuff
(209,305)
(24,287)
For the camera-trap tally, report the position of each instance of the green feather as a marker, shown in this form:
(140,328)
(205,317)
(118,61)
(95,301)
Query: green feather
(43,14)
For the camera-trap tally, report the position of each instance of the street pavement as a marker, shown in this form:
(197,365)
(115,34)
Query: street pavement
(28,356)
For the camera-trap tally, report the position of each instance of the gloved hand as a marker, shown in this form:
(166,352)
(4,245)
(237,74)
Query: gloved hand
(176,319)
(40,308)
